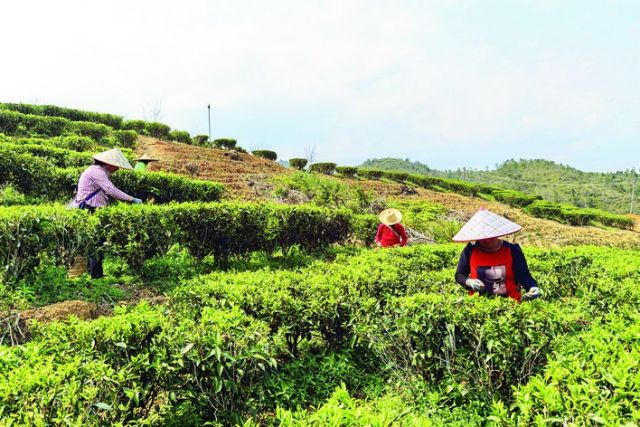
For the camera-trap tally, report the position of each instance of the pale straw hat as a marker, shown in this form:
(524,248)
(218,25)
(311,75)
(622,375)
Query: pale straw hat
(485,224)
(390,216)
(113,157)
(146,158)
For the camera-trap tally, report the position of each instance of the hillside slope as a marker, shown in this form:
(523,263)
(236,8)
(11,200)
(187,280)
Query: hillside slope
(238,176)
(551,180)
(249,178)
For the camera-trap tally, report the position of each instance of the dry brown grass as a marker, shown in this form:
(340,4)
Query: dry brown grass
(238,176)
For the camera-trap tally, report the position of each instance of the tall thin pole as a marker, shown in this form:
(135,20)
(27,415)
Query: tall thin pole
(633,195)
(209,112)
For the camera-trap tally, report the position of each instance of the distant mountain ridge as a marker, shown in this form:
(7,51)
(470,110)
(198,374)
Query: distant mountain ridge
(611,191)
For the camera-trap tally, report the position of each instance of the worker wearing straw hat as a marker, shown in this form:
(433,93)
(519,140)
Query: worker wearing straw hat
(143,161)
(493,266)
(391,232)
(94,191)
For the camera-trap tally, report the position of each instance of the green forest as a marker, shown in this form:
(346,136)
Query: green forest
(610,191)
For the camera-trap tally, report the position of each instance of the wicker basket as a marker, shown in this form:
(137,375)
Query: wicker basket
(79,267)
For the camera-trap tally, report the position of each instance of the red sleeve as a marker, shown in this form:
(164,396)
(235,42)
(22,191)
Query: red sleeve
(403,235)
(379,233)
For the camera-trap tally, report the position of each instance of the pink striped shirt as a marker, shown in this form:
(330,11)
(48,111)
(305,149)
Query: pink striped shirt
(96,177)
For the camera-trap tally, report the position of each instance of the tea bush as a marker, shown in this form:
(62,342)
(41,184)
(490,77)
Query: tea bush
(26,235)
(140,126)
(180,136)
(36,177)
(225,143)
(348,171)
(576,216)
(158,130)
(111,120)
(266,154)
(298,163)
(124,138)
(324,168)
(230,346)
(69,142)
(592,379)
(134,366)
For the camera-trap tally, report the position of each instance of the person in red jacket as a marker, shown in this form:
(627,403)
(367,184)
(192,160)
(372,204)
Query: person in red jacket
(492,266)
(391,232)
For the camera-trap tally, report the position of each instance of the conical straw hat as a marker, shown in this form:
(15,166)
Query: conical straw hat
(485,224)
(146,158)
(390,216)
(113,157)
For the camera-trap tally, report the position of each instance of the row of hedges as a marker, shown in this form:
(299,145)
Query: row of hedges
(38,177)
(111,120)
(137,233)
(155,129)
(266,154)
(533,205)
(144,366)
(60,157)
(209,354)
(576,216)
(69,142)
(15,123)
(55,121)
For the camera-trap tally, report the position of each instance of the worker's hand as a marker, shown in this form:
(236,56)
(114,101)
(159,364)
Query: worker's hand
(136,201)
(475,284)
(533,293)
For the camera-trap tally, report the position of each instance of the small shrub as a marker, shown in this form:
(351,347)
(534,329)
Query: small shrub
(9,196)
(158,130)
(348,171)
(95,131)
(200,139)
(180,136)
(126,138)
(298,163)
(326,168)
(370,174)
(266,154)
(139,126)
(225,143)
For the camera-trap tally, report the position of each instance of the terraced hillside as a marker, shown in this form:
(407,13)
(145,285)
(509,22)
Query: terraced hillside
(239,173)
(250,179)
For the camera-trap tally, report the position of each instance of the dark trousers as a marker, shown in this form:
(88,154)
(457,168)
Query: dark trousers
(94,263)
(94,254)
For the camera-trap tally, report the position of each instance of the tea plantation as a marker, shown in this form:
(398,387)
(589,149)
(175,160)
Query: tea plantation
(273,314)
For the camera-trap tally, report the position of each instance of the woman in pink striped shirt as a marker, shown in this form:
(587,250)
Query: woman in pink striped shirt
(94,190)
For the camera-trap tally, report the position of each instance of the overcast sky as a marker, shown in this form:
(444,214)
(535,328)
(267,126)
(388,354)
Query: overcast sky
(449,83)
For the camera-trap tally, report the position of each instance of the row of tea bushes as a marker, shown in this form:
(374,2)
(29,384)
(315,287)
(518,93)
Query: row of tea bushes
(208,355)
(69,142)
(592,379)
(83,122)
(533,205)
(38,177)
(60,157)
(577,216)
(14,123)
(137,233)
(111,120)
(143,366)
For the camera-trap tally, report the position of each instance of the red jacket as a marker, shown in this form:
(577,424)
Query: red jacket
(388,238)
